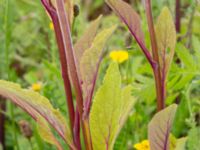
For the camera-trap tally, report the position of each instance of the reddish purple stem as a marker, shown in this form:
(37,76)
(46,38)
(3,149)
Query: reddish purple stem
(63,61)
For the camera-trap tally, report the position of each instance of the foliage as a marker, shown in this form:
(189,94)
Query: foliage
(37,106)
(159,128)
(111,107)
(75,73)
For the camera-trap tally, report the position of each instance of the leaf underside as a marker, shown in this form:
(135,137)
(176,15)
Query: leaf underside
(129,17)
(89,64)
(46,134)
(108,112)
(37,106)
(86,40)
(166,38)
(159,128)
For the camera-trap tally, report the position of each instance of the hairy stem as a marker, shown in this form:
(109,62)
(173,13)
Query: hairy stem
(160,90)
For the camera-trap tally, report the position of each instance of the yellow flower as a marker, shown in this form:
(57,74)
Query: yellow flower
(120,56)
(36,87)
(144,145)
(51,26)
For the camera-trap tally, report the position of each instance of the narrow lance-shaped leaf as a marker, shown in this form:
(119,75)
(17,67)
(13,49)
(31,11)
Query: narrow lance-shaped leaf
(37,106)
(108,114)
(166,39)
(159,128)
(132,20)
(86,40)
(89,65)
(129,17)
(46,134)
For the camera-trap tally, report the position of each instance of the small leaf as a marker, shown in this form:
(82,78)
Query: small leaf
(166,38)
(177,144)
(181,143)
(90,62)
(159,128)
(129,17)
(37,106)
(46,134)
(108,112)
(172,142)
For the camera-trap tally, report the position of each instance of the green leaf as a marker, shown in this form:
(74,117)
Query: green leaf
(196,43)
(86,40)
(193,139)
(46,134)
(37,106)
(181,143)
(166,38)
(127,103)
(172,140)
(180,126)
(109,110)
(90,61)
(177,144)
(159,128)
(185,57)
